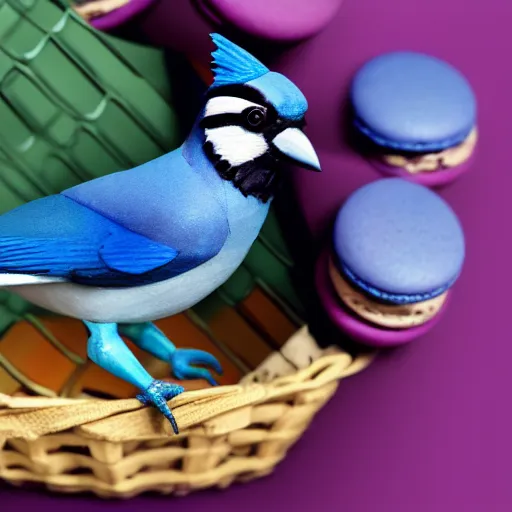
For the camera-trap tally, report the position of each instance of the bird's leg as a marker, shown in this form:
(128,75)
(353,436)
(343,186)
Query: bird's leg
(106,348)
(151,339)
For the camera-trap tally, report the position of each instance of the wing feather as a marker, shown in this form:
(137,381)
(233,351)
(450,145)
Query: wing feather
(55,237)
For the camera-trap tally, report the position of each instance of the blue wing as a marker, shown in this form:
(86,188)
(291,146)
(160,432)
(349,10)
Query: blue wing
(57,237)
(167,201)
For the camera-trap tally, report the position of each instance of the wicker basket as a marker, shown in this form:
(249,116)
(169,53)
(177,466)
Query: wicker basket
(116,448)
(271,390)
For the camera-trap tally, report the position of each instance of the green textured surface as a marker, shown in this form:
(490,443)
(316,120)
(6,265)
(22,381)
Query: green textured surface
(76,104)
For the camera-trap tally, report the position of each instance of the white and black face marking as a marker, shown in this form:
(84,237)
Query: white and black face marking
(239,125)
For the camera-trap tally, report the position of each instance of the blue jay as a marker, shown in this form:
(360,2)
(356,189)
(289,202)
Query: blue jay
(126,249)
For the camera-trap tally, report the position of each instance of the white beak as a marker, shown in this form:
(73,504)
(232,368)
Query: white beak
(293,143)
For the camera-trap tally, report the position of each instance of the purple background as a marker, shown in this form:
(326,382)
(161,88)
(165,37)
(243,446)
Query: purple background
(427,427)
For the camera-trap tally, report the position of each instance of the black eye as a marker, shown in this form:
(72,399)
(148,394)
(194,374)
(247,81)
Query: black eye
(255,117)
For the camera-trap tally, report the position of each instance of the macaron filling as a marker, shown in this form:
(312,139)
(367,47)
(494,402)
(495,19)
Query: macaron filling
(449,158)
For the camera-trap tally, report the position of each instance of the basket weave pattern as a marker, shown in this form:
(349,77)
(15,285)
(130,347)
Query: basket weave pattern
(120,449)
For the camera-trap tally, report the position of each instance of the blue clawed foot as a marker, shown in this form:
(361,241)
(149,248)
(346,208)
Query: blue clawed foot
(157,395)
(183,359)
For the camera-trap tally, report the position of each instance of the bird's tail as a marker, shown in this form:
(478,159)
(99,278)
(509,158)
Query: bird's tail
(7,280)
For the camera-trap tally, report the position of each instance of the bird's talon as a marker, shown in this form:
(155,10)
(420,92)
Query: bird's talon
(158,394)
(183,359)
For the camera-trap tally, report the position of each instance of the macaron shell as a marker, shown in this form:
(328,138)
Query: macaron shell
(277,20)
(413,101)
(399,237)
(357,329)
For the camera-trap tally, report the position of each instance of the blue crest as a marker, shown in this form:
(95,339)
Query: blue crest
(232,64)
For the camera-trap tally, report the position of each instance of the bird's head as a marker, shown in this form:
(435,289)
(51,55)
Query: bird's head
(253,122)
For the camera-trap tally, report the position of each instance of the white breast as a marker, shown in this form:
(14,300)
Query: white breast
(139,304)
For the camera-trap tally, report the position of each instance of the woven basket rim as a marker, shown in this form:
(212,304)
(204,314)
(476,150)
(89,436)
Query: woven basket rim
(120,420)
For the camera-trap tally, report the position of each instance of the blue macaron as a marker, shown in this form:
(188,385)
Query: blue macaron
(399,242)
(411,101)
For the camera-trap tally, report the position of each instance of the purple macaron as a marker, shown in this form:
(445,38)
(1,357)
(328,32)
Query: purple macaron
(416,117)
(397,250)
(274,20)
(281,21)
